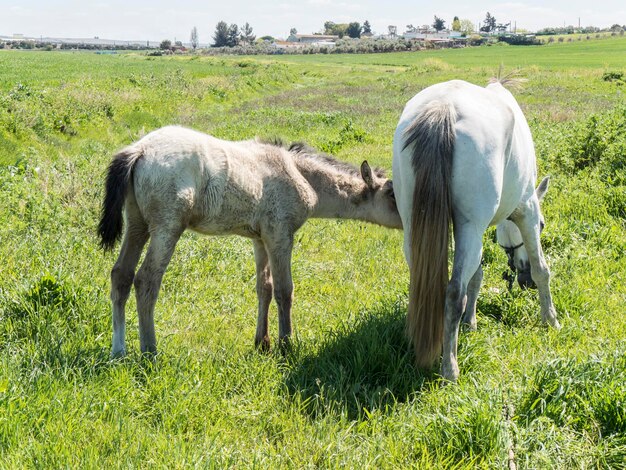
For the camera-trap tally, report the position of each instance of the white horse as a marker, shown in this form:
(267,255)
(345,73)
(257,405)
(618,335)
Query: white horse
(463,154)
(176,179)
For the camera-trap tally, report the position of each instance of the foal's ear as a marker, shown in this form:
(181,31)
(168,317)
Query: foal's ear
(542,189)
(366,173)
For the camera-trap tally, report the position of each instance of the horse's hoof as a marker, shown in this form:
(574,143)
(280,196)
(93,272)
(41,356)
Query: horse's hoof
(554,323)
(551,320)
(471,326)
(449,373)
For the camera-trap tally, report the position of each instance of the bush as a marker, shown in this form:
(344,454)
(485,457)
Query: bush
(596,143)
(519,40)
(613,76)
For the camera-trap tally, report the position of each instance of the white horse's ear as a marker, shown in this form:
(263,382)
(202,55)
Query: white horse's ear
(366,174)
(542,189)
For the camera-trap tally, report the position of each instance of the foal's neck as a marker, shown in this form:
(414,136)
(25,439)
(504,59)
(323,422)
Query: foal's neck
(339,192)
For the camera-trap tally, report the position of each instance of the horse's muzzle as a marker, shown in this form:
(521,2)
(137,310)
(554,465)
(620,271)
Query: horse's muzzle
(525,280)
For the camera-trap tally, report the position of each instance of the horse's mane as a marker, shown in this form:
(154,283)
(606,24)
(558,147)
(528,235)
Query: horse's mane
(303,150)
(511,80)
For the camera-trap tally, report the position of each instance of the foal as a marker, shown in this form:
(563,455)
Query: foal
(175,179)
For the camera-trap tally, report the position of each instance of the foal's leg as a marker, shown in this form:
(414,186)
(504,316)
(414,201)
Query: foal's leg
(280,262)
(122,276)
(469,317)
(468,245)
(528,223)
(148,283)
(264,294)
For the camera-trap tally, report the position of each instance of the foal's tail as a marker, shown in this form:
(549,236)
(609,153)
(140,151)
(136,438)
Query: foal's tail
(432,136)
(116,187)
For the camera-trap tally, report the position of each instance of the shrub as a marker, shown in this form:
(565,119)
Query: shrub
(613,76)
(598,142)
(519,40)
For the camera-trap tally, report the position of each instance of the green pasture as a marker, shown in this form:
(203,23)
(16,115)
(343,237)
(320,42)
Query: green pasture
(347,395)
(583,54)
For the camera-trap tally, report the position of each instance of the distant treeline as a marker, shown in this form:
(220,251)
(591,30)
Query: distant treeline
(49,46)
(616,28)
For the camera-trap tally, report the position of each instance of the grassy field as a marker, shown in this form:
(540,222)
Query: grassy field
(348,394)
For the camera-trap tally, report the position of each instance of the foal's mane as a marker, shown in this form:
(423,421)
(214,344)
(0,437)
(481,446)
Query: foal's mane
(304,151)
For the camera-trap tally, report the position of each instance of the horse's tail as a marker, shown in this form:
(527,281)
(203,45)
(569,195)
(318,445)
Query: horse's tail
(117,180)
(432,136)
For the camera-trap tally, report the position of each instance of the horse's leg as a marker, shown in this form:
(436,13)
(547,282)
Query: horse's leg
(280,262)
(122,276)
(528,222)
(469,317)
(264,294)
(148,282)
(468,245)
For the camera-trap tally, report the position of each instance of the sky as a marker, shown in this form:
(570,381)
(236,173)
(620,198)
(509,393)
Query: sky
(159,19)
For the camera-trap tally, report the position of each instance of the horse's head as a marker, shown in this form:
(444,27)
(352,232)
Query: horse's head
(379,195)
(510,239)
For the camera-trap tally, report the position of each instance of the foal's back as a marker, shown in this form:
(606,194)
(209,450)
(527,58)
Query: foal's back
(193,180)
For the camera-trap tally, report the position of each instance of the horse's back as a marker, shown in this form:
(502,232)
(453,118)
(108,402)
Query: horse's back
(486,170)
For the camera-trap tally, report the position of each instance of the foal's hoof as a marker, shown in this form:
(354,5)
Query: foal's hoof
(284,345)
(149,356)
(263,345)
(119,354)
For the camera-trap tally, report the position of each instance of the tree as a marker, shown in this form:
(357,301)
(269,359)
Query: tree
(233,35)
(456,24)
(467,27)
(439,24)
(354,30)
(393,31)
(367,28)
(410,28)
(194,38)
(489,24)
(220,37)
(246,34)
(293,32)
(502,27)
(336,29)
(166,44)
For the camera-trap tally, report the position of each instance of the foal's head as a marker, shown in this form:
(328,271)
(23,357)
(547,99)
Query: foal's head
(510,239)
(378,195)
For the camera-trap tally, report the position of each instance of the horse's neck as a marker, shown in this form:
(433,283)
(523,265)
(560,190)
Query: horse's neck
(337,192)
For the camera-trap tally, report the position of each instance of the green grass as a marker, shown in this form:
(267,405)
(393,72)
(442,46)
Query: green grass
(348,395)
(592,54)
